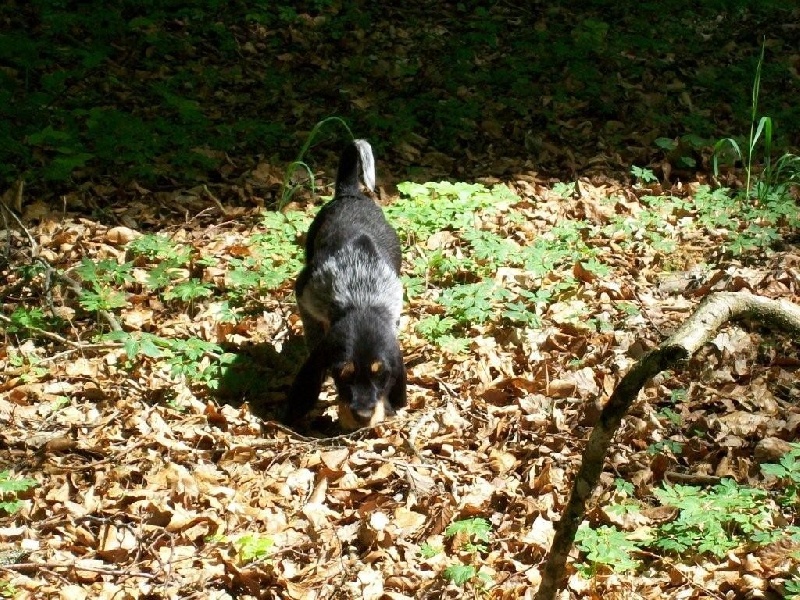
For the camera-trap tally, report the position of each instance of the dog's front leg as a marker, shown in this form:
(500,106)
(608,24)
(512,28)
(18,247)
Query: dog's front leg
(307,386)
(397,394)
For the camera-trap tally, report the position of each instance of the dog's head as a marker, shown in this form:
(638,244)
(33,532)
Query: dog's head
(361,352)
(366,364)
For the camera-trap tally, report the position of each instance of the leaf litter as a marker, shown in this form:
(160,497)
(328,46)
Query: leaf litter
(151,484)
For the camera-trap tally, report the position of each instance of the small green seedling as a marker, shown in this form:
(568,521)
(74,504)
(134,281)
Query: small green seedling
(606,547)
(7,589)
(252,547)
(102,277)
(427,550)
(10,488)
(643,175)
(474,534)
(787,471)
(29,364)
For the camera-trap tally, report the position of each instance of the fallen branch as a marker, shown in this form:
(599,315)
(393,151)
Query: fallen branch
(716,310)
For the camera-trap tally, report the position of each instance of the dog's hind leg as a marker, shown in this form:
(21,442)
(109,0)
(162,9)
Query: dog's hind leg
(313,329)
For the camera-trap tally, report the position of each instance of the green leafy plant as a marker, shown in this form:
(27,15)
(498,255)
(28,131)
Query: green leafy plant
(473,534)
(426,550)
(104,273)
(471,303)
(29,364)
(102,277)
(9,489)
(680,151)
(643,174)
(30,320)
(606,547)
(188,291)
(193,359)
(624,504)
(671,446)
(428,208)
(7,589)
(168,262)
(749,226)
(273,258)
(252,547)
(787,471)
(102,299)
(161,248)
(712,521)
(563,189)
(792,589)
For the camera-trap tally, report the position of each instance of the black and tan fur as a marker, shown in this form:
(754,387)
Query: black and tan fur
(350,298)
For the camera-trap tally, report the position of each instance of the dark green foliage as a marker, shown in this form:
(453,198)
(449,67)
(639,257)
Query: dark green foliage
(162,90)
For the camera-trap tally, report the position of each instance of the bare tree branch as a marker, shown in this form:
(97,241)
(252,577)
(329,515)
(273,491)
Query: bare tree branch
(716,310)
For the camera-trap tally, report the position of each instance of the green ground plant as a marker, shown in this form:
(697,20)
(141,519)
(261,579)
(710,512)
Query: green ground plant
(253,547)
(194,360)
(474,535)
(31,321)
(10,487)
(606,547)
(792,589)
(290,187)
(274,257)
(29,364)
(102,277)
(7,589)
(712,521)
(643,175)
(463,272)
(787,472)
(157,247)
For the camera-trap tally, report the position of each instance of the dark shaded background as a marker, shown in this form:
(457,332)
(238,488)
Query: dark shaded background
(97,95)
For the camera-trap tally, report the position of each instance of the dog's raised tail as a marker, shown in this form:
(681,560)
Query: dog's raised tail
(356,161)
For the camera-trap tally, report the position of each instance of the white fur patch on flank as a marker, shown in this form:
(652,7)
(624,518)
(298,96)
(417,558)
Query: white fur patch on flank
(353,277)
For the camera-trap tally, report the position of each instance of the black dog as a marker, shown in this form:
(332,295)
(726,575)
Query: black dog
(350,297)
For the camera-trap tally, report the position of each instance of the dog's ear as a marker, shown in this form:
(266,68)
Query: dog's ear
(397,395)
(307,385)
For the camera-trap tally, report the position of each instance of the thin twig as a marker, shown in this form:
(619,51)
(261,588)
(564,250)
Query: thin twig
(46,334)
(34,245)
(35,566)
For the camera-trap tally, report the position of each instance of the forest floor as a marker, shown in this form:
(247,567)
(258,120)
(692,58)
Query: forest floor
(151,334)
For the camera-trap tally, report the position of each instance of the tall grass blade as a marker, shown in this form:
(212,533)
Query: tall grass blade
(288,190)
(719,146)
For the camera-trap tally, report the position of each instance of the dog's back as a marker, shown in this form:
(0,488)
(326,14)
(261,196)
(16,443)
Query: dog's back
(351,213)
